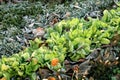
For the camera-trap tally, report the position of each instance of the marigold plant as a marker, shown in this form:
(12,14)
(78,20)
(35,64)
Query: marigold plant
(51,78)
(54,61)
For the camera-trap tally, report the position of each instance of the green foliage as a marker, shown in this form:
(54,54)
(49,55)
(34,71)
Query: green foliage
(73,38)
(16,17)
(13,14)
(116,70)
(79,38)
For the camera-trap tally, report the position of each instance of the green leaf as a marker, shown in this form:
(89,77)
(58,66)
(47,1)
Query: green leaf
(4,67)
(93,28)
(61,57)
(74,22)
(57,67)
(78,40)
(15,63)
(20,73)
(33,76)
(104,35)
(25,55)
(113,78)
(118,3)
(38,41)
(105,41)
(6,75)
(50,56)
(71,46)
(1,74)
(88,33)
(28,69)
(107,16)
(58,29)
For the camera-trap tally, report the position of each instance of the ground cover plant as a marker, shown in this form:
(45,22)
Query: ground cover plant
(18,19)
(72,49)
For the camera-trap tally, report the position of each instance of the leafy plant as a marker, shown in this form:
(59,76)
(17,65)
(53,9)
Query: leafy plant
(73,39)
(79,38)
(13,14)
(24,13)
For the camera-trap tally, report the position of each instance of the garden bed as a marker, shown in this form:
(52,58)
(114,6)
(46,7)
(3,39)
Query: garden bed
(18,20)
(70,41)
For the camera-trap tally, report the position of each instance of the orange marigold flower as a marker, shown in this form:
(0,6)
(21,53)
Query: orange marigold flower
(54,61)
(51,78)
(3,78)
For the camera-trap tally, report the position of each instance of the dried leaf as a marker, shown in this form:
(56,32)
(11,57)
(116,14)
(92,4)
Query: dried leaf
(44,73)
(67,15)
(54,21)
(84,67)
(77,6)
(1,0)
(94,54)
(115,39)
(38,32)
(76,68)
